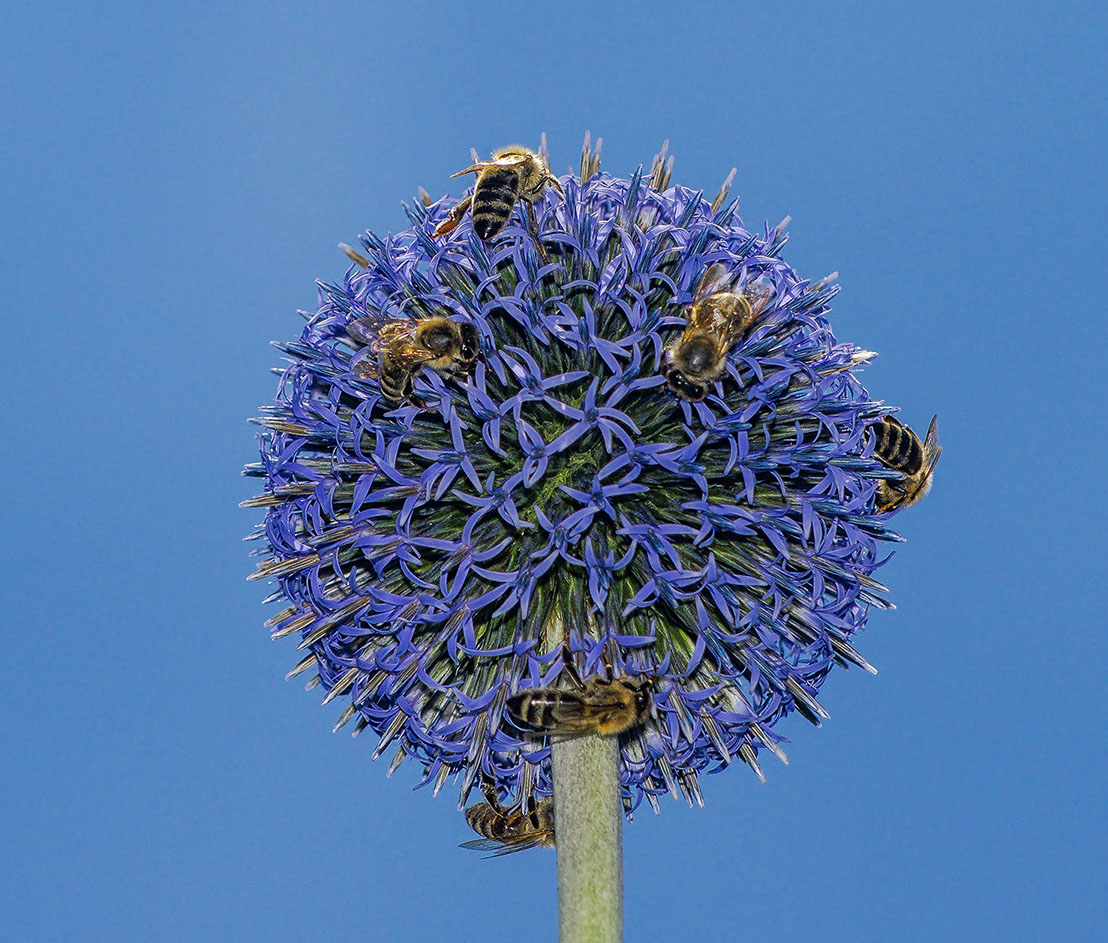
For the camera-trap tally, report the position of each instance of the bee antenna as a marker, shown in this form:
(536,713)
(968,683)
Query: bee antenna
(569,665)
(488,789)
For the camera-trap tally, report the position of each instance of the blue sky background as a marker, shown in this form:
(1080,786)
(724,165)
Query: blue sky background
(173,178)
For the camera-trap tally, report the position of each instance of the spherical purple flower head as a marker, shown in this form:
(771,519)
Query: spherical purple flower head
(439,556)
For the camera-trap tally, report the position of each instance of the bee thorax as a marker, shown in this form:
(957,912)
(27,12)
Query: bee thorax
(699,355)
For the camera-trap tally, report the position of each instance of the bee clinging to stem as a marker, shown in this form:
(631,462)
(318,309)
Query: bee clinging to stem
(899,448)
(603,706)
(505,831)
(397,347)
(515,173)
(715,320)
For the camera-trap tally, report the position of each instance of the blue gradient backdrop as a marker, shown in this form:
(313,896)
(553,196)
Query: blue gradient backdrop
(173,180)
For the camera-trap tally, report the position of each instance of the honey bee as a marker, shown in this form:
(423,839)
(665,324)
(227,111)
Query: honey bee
(506,831)
(716,319)
(515,173)
(601,706)
(396,348)
(899,448)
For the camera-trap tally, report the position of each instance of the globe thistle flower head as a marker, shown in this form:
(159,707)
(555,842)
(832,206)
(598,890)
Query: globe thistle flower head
(560,502)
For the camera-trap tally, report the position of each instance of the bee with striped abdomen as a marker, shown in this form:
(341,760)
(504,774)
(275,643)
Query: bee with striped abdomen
(899,448)
(395,348)
(505,831)
(603,706)
(515,173)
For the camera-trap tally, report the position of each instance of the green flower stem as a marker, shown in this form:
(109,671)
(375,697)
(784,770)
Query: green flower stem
(588,825)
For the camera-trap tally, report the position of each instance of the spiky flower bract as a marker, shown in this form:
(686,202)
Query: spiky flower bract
(439,556)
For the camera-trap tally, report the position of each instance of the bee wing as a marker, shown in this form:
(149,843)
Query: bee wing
(365,330)
(715,279)
(407,356)
(932,438)
(932,462)
(579,725)
(393,328)
(924,483)
(482,844)
(585,717)
(392,336)
(499,848)
(364,363)
(749,304)
(759,294)
(609,712)
(933,458)
(532,841)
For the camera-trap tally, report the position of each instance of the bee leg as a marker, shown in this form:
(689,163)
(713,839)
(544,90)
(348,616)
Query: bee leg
(570,667)
(609,672)
(453,218)
(897,494)
(608,668)
(533,225)
(488,789)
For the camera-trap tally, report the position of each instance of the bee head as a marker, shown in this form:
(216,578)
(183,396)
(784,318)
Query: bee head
(514,151)
(683,387)
(470,342)
(644,693)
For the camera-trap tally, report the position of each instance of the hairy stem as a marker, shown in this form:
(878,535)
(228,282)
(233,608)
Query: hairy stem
(588,825)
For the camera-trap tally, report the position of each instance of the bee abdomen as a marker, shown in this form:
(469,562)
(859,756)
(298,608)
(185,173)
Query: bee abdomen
(484,820)
(488,224)
(898,447)
(533,709)
(396,382)
(493,199)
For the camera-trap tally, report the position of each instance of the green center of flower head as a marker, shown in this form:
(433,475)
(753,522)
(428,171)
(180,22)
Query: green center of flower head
(445,552)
